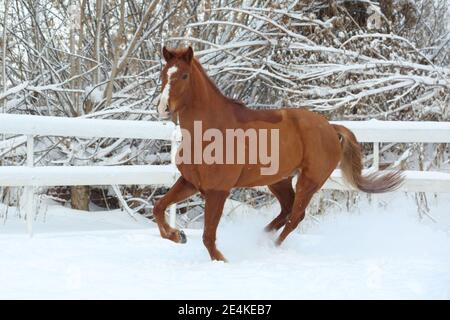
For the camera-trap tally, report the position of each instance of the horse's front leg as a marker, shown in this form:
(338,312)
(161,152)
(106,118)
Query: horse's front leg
(181,190)
(214,202)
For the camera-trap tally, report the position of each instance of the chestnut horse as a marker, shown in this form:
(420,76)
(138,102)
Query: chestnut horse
(310,147)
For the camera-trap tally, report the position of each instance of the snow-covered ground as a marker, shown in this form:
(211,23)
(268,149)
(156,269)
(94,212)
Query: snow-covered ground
(372,253)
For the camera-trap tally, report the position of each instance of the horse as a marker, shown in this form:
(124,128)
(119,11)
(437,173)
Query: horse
(310,148)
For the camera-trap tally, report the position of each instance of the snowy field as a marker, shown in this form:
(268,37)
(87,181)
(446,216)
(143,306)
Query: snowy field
(374,252)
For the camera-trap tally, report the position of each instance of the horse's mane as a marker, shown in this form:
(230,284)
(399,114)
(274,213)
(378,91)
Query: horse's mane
(214,86)
(242,112)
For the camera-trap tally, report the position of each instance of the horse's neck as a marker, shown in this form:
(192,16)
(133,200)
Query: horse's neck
(206,104)
(211,113)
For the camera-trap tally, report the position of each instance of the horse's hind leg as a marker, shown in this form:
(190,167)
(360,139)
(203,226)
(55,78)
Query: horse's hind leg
(305,189)
(285,194)
(181,190)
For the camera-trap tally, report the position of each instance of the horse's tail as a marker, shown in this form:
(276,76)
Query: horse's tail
(351,166)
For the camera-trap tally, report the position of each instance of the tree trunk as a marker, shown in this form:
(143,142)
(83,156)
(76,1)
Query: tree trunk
(80,197)
(386,9)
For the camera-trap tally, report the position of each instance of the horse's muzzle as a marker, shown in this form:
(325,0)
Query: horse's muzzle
(163,110)
(164,116)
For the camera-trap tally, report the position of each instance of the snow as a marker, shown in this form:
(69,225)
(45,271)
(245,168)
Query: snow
(12,142)
(374,252)
(95,94)
(14,90)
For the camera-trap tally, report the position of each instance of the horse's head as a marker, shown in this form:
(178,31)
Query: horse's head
(176,82)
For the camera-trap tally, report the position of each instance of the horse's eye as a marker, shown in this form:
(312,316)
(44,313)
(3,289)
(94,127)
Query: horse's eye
(184,76)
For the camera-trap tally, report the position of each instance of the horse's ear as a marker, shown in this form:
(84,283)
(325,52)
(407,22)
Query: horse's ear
(167,54)
(188,54)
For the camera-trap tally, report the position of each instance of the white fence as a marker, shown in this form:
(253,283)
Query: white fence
(377,132)
(31,176)
(30,126)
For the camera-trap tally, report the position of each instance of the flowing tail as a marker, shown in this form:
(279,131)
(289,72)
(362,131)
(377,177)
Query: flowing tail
(351,166)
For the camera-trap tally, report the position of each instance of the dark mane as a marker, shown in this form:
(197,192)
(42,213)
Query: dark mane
(214,86)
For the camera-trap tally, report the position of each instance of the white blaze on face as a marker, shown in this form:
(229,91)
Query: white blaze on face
(163,107)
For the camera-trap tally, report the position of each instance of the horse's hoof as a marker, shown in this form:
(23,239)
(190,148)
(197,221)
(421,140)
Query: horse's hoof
(183,238)
(219,258)
(278,243)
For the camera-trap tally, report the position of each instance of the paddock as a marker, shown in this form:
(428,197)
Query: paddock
(373,252)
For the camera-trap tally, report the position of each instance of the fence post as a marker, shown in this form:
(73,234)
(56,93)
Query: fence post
(376,156)
(29,190)
(376,165)
(176,140)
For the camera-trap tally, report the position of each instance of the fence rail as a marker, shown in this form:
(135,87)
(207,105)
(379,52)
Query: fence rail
(28,126)
(85,128)
(30,177)
(399,131)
